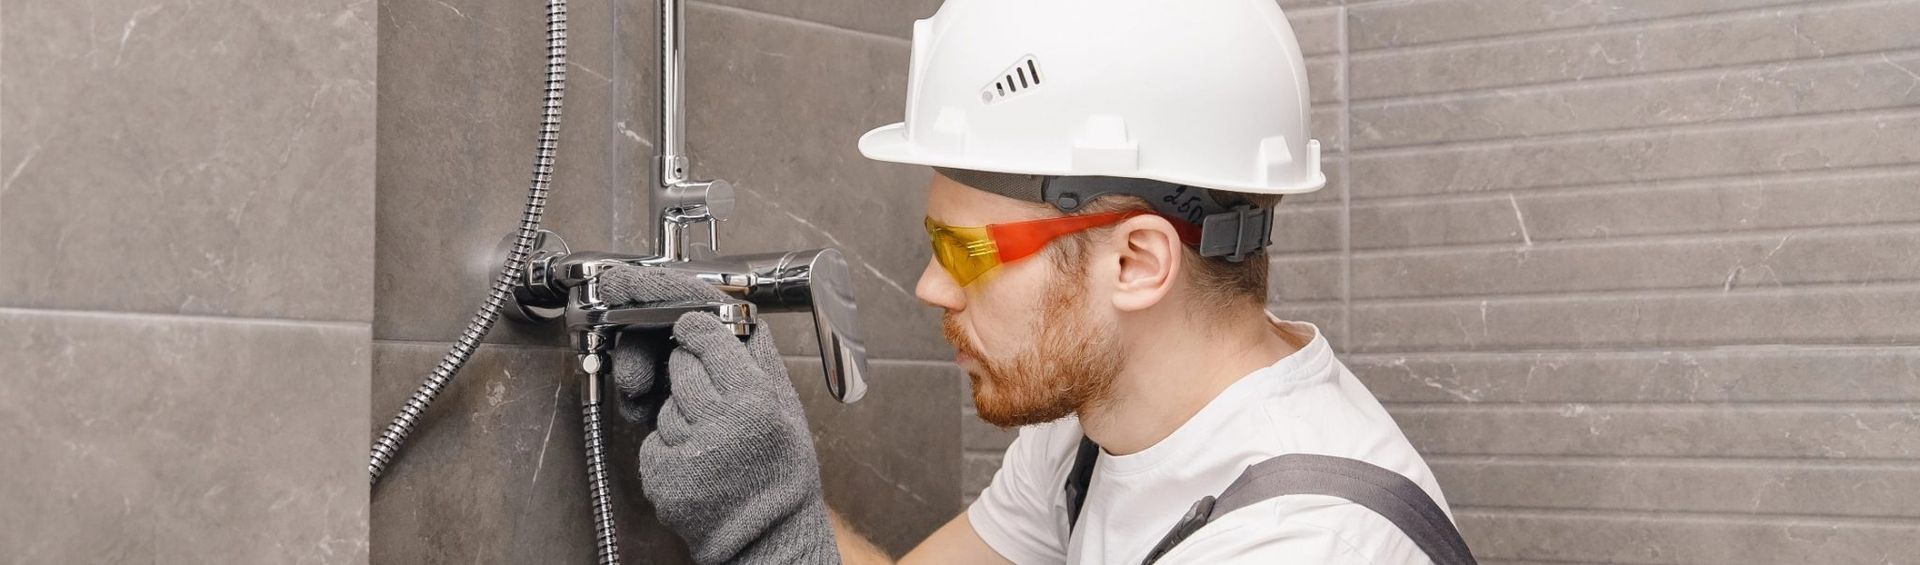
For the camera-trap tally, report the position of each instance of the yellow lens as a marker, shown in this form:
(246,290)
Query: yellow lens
(965,253)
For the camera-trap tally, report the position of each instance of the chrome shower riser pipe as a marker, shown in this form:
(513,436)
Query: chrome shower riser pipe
(675,200)
(672,147)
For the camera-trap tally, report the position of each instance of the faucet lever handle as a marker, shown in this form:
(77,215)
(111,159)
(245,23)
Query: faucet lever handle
(843,351)
(817,281)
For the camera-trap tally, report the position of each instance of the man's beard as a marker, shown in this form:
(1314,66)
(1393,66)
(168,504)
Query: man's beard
(1070,363)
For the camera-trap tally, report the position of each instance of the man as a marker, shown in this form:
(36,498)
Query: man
(1106,175)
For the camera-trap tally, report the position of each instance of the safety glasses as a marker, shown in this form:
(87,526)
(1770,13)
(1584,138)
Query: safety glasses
(969,252)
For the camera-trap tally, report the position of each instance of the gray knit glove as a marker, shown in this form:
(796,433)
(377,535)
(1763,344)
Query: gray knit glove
(730,466)
(640,357)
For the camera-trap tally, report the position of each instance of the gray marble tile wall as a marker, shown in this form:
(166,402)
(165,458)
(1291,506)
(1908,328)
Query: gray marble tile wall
(779,93)
(186,218)
(1642,279)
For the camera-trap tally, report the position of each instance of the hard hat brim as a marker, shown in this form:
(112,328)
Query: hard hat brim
(889,143)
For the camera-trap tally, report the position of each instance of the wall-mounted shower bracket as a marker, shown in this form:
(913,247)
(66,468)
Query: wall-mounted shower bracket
(529,301)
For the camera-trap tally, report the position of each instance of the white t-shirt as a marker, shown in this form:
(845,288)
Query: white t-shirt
(1307,402)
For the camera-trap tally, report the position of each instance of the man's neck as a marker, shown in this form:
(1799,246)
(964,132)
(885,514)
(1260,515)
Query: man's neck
(1170,375)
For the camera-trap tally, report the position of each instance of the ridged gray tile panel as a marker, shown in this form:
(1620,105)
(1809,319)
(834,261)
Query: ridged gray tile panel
(1805,30)
(1873,81)
(1415,23)
(1676,208)
(1638,276)
(1873,432)
(1794,145)
(1761,375)
(1838,314)
(1872,489)
(1300,228)
(1317,29)
(1606,537)
(1307,278)
(1877,254)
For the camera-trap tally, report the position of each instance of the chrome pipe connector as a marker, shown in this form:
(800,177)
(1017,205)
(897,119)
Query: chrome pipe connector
(593,346)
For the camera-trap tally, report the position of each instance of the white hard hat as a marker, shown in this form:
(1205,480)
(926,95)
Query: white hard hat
(1204,93)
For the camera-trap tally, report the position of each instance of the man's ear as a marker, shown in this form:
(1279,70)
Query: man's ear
(1149,256)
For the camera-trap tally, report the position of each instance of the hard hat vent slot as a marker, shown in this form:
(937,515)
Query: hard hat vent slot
(1019,78)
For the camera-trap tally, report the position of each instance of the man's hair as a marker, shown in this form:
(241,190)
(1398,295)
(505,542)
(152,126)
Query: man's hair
(1215,280)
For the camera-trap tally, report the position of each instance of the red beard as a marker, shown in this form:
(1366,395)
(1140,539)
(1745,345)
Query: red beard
(1071,363)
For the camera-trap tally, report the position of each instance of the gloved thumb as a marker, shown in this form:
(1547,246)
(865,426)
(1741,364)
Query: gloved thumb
(639,373)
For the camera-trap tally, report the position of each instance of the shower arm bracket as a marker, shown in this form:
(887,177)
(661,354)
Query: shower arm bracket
(679,203)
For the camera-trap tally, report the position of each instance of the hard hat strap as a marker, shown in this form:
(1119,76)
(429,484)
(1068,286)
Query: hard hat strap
(1218,223)
(1233,228)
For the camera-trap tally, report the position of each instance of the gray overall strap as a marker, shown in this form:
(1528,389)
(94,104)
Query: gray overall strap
(1079,477)
(1385,492)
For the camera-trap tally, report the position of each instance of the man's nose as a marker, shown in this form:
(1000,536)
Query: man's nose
(937,289)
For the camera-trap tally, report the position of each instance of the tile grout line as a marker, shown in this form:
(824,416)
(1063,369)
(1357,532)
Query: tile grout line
(1674,461)
(1707,237)
(1743,407)
(1504,91)
(1713,291)
(1680,515)
(1672,20)
(801,22)
(1633,133)
(1611,134)
(1346,184)
(177,317)
(1609,80)
(1629,353)
(1633,351)
(1743,179)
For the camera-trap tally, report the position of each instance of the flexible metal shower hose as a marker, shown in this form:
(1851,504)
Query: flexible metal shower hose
(387,446)
(605,536)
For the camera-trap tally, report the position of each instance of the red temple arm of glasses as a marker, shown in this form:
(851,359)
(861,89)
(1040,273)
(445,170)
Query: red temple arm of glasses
(1020,239)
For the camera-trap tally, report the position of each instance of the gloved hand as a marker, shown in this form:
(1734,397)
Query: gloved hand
(640,357)
(730,465)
